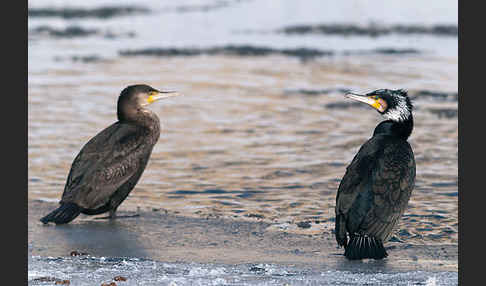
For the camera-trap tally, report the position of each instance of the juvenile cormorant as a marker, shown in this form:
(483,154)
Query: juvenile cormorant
(109,166)
(377,185)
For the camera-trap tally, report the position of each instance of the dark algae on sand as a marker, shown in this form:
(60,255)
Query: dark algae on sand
(109,166)
(377,185)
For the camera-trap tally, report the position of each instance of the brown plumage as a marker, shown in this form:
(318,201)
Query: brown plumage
(109,166)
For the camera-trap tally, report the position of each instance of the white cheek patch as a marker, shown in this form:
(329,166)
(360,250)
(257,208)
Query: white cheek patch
(398,113)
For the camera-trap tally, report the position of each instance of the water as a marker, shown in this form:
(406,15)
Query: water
(89,270)
(188,24)
(255,137)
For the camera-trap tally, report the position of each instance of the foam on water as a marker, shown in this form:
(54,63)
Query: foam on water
(96,270)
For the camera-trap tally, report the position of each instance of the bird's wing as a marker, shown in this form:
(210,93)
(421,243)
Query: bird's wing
(106,162)
(393,180)
(375,189)
(356,172)
(353,184)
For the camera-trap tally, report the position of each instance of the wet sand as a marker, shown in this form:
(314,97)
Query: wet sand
(165,236)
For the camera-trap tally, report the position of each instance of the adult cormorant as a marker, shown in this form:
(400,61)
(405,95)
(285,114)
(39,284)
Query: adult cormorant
(377,185)
(111,163)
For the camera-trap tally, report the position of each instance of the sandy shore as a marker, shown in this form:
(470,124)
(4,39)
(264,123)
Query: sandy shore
(168,237)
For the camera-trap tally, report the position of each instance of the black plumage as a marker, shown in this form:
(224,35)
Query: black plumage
(109,166)
(378,183)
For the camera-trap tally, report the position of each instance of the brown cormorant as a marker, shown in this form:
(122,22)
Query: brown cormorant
(377,185)
(109,166)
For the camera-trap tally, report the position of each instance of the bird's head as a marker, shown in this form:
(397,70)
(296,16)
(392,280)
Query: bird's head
(392,104)
(134,98)
(143,95)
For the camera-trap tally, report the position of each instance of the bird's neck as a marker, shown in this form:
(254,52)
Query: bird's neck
(141,117)
(401,129)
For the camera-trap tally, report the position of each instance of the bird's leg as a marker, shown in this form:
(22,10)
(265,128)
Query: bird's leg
(128,216)
(123,216)
(112,215)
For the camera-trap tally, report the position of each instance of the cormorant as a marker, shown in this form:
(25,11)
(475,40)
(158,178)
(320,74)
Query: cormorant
(377,185)
(109,166)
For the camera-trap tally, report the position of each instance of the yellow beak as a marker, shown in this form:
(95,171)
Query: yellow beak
(375,103)
(161,95)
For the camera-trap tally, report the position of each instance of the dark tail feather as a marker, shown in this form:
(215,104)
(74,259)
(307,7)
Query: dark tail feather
(63,214)
(361,246)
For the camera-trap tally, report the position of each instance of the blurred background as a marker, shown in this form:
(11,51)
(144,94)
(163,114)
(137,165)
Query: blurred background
(263,130)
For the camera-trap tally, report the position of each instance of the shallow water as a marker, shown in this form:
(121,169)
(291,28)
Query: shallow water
(243,140)
(241,144)
(254,137)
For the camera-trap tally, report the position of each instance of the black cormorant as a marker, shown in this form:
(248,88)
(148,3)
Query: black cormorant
(377,185)
(109,166)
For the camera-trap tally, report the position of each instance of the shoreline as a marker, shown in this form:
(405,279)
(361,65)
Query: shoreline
(168,237)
